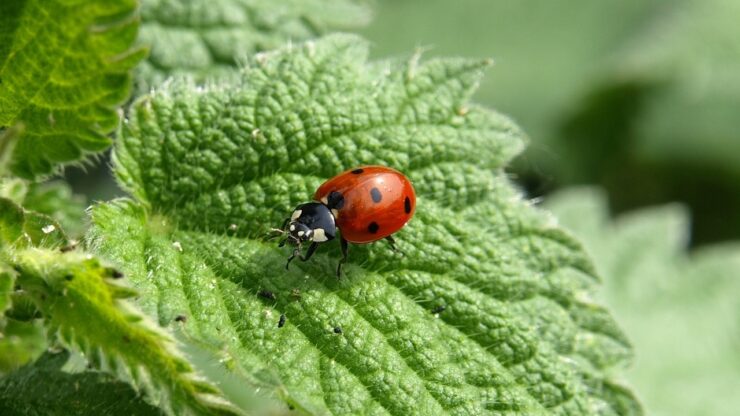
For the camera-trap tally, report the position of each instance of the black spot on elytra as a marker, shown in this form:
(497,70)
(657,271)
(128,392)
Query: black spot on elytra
(376,195)
(407,205)
(373,227)
(358,171)
(335,200)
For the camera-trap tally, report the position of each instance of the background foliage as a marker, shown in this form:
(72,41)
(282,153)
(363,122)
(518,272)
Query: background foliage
(613,93)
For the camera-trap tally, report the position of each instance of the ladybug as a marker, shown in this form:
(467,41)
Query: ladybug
(365,204)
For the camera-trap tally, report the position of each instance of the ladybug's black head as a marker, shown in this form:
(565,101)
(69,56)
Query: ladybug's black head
(311,222)
(299,232)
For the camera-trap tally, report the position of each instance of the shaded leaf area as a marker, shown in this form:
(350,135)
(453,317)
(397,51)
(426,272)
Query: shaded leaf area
(83,309)
(20,343)
(680,309)
(206,38)
(44,388)
(64,69)
(213,168)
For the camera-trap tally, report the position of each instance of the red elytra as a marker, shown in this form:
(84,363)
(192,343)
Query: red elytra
(377,202)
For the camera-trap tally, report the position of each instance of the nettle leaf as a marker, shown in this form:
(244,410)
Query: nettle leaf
(207,38)
(57,200)
(54,198)
(64,68)
(44,388)
(214,167)
(680,309)
(83,309)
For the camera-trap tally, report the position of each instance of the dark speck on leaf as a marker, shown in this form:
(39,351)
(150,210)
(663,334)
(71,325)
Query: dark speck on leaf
(69,277)
(181,318)
(281,321)
(439,309)
(116,274)
(266,294)
(337,329)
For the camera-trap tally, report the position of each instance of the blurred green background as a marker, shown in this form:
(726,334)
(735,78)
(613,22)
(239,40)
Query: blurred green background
(641,97)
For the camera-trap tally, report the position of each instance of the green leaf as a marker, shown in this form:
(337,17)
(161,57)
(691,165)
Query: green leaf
(44,388)
(64,68)
(11,222)
(20,228)
(81,307)
(680,309)
(213,168)
(80,303)
(208,38)
(56,200)
(20,343)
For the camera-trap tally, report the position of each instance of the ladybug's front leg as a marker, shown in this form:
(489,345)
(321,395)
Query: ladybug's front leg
(345,250)
(297,253)
(392,242)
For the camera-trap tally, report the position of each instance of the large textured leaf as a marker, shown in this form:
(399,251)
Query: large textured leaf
(681,310)
(213,168)
(44,389)
(63,70)
(207,38)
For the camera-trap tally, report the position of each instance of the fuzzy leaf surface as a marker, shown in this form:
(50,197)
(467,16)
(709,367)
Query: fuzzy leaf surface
(81,307)
(64,68)
(214,168)
(681,310)
(44,388)
(207,38)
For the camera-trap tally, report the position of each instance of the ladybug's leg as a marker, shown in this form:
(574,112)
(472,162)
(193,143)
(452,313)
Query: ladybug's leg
(345,249)
(392,243)
(296,252)
(309,252)
(276,232)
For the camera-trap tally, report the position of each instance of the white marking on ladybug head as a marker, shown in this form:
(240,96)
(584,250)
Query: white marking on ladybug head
(300,233)
(292,227)
(319,235)
(297,213)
